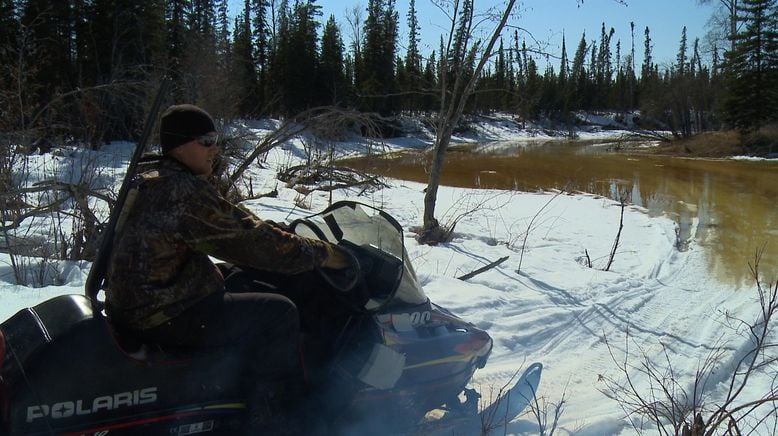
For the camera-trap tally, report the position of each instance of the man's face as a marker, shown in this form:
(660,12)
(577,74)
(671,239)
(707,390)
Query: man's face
(198,157)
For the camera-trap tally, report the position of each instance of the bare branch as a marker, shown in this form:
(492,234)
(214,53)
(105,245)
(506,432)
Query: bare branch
(529,226)
(483,269)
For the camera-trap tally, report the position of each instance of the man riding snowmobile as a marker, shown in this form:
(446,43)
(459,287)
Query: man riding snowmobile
(162,288)
(384,354)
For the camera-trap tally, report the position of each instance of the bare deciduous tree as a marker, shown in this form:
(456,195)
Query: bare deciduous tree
(355,18)
(730,23)
(461,65)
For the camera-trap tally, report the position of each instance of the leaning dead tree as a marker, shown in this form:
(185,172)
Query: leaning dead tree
(307,178)
(323,123)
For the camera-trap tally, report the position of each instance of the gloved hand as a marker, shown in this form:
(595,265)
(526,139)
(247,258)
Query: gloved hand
(337,258)
(283,226)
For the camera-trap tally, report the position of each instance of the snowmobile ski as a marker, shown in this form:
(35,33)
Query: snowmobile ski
(512,402)
(494,418)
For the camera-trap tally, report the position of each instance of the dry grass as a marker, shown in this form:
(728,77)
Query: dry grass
(708,144)
(764,141)
(725,143)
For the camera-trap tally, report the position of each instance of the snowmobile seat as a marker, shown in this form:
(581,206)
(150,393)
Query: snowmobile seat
(31,329)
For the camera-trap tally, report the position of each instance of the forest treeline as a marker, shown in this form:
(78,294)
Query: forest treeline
(85,69)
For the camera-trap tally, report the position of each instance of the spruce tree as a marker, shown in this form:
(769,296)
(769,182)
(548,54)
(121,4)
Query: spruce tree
(507,98)
(529,107)
(679,83)
(243,65)
(649,85)
(377,75)
(751,99)
(281,53)
(619,98)
(602,68)
(175,20)
(648,62)
(9,29)
(296,58)
(49,31)
(152,32)
(563,67)
(701,92)
(429,102)
(202,18)
(593,62)
(412,57)
(579,79)
(223,28)
(47,69)
(411,82)
(499,82)
(681,62)
(260,39)
(11,65)
(390,34)
(332,75)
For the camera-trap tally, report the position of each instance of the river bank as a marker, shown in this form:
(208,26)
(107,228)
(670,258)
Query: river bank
(620,130)
(725,144)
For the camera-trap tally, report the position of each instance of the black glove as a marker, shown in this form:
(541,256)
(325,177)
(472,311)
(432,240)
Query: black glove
(337,258)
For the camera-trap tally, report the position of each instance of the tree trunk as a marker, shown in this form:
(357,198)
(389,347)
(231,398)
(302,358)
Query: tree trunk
(431,195)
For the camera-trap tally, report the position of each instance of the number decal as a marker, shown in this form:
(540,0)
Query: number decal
(418,318)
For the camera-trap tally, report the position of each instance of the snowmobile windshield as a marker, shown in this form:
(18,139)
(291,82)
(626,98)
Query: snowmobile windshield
(365,226)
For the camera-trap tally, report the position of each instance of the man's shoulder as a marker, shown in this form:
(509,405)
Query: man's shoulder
(167,170)
(164,171)
(157,166)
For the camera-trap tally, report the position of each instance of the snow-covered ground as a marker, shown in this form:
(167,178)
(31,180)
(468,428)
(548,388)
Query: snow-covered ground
(543,304)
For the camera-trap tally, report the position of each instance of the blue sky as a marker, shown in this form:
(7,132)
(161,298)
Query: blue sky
(546,20)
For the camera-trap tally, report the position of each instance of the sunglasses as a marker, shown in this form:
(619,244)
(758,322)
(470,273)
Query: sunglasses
(208,140)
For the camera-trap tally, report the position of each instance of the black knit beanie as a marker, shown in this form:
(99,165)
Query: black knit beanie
(181,124)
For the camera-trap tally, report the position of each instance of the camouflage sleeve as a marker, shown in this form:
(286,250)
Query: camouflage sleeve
(220,229)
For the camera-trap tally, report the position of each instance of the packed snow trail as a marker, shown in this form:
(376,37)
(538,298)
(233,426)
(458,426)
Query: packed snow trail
(561,313)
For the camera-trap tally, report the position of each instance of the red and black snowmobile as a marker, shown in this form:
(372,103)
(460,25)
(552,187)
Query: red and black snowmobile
(65,371)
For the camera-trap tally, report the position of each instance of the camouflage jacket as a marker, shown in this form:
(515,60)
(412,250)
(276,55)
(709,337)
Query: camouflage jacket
(172,222)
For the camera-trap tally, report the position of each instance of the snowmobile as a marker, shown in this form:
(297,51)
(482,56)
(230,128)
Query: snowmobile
(65,370)
(392,354)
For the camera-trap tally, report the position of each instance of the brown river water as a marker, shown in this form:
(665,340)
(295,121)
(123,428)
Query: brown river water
(728,207)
